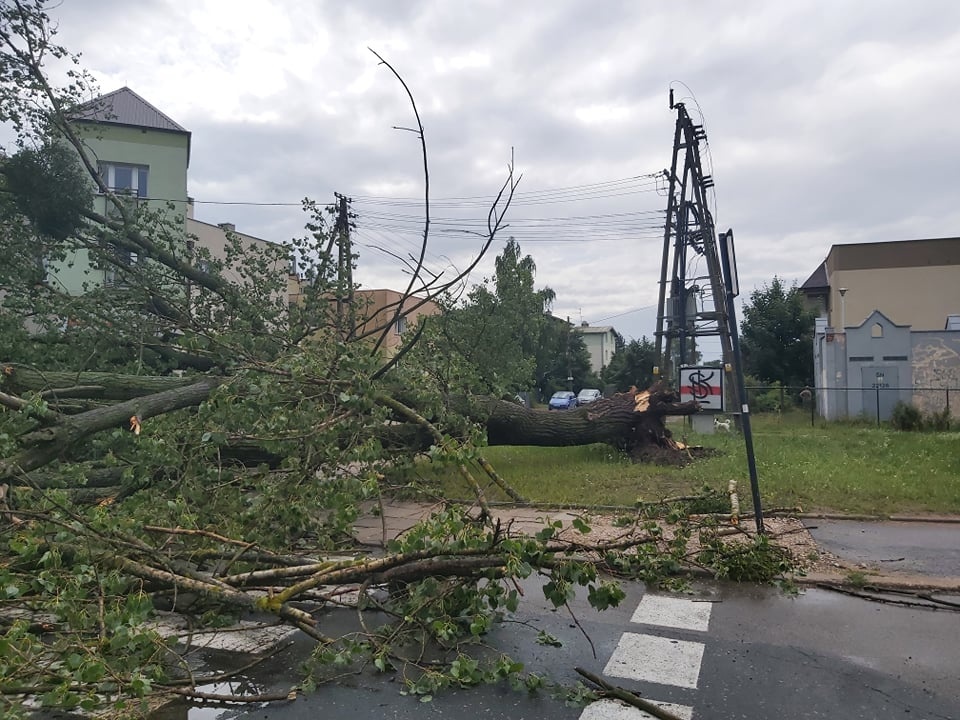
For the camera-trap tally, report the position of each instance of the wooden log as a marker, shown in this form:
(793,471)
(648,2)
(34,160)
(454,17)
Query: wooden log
(626,420)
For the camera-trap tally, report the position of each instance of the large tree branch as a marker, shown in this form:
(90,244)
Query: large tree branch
(132,239)
(100,385)
(45,445)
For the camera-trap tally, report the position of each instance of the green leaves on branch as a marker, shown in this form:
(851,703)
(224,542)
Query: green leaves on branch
(49,187)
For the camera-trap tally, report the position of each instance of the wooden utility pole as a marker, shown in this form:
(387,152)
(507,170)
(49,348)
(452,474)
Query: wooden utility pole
(345,305)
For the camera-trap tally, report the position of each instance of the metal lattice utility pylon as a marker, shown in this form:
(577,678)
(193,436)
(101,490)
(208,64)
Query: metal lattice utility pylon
(691,267)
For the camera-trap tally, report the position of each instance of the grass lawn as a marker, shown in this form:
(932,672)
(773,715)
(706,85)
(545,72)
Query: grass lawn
(857,468)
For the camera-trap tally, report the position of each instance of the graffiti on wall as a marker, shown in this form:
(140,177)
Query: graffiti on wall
(936,364)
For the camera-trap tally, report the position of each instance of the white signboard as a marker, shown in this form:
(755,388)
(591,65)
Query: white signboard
(703,384)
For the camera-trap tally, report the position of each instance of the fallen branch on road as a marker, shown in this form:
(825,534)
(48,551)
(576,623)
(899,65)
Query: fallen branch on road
(615,691)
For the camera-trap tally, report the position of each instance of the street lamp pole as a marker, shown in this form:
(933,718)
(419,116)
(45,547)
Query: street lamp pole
(843,310)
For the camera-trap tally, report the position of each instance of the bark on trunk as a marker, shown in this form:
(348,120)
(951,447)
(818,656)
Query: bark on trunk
(99,385)
(626,420)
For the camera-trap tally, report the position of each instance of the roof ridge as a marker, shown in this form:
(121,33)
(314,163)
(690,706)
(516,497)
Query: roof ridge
(103,108)
(153,107)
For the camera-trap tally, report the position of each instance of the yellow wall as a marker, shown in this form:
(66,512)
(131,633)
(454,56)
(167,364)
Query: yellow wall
(371,308)
(921,297)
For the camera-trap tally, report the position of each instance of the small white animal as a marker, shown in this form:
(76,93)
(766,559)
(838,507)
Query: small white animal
(718,423)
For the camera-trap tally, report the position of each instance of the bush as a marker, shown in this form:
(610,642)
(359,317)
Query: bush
(763,397)
(906,417)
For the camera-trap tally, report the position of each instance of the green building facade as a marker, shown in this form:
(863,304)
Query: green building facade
(142,154)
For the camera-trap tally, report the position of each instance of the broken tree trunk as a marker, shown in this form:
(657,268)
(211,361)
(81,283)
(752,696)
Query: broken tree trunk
(42,446)
(629,421)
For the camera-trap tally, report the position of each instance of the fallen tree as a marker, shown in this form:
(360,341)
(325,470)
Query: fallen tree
(176,440)
(631,421)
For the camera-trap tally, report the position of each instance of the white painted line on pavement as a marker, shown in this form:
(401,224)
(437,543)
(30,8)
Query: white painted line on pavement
(245,637)
(614,710)
(673,612)
(656,659)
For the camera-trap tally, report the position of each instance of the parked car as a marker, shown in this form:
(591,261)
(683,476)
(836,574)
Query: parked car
(562,400)
(588,395)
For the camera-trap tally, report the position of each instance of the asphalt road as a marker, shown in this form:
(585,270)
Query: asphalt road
(728,652)
(922,548)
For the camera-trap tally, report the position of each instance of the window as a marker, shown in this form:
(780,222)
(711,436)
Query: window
(401,326)
(125,179)
(876,331)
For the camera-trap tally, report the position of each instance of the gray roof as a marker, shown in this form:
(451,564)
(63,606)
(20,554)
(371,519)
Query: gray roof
(818,280)
(125,107)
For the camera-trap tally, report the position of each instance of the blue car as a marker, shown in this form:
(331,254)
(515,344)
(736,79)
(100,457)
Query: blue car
(562,400)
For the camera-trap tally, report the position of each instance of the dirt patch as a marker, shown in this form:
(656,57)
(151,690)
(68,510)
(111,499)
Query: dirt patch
(656,455)
(790,534)
(786,532)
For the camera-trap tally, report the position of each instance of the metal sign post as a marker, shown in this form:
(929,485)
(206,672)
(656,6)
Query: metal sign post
(732,289)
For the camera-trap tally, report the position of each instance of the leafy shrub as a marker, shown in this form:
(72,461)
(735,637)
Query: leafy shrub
(906,417)
(763,396)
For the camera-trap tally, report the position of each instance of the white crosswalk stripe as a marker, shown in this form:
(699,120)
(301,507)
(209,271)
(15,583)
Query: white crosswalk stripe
(655,658)
(614,710)
(673,612)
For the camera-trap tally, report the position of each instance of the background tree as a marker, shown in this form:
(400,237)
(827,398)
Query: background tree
(618,342)
(507,339)
(632,364)
(501,327)
(562,354)
(777,335)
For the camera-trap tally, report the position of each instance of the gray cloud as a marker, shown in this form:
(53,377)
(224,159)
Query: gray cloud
(827,123)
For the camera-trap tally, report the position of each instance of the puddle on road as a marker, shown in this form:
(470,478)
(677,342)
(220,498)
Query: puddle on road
(187,709)
(276,673)
(248,682)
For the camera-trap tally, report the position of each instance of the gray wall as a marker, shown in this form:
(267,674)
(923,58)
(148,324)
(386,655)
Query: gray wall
(879,361)
(856,370)
(830,376)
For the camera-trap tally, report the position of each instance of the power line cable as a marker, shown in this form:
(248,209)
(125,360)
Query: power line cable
(519,197)
(627,312)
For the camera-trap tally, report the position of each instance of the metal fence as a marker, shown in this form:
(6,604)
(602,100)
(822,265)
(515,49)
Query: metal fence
(844,403)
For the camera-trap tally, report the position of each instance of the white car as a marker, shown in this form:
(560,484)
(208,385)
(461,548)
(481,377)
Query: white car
(587,396)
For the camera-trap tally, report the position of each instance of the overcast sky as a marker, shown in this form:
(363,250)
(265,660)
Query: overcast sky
(828,122)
